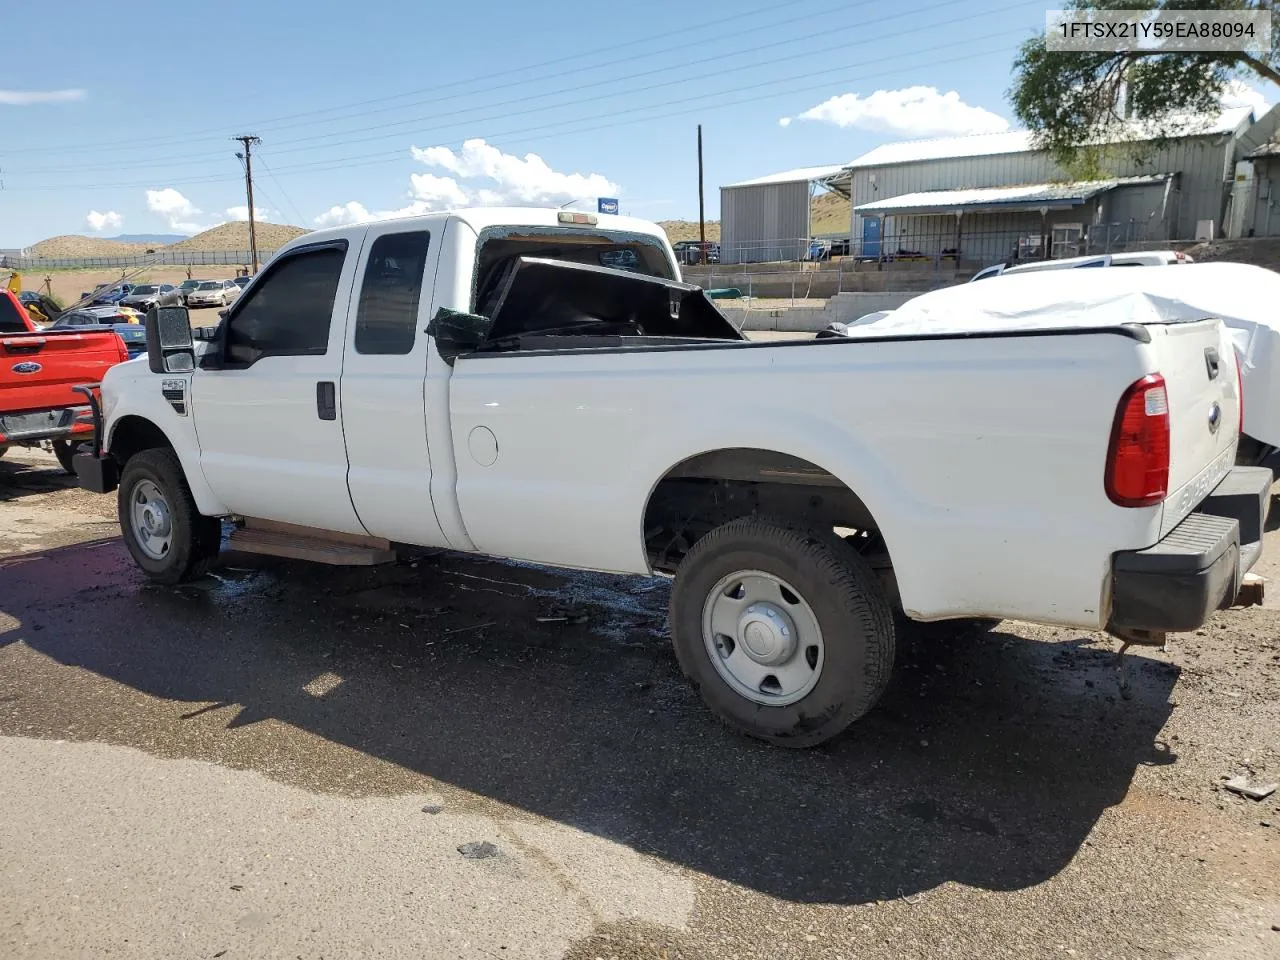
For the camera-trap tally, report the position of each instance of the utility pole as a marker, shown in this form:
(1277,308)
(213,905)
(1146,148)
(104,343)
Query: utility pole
(702,217)
(247,157)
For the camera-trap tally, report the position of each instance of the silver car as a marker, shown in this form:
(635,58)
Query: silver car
(213,293)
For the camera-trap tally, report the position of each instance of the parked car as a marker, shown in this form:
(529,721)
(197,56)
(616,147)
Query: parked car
(39,369)
(689,252)
(213,293)
(131,331)
(107,293)
(147,295)
(242,281)
(184,288)
(1137,258)
(1071,471)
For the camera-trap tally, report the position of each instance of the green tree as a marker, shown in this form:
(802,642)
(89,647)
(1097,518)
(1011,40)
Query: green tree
(1071,102)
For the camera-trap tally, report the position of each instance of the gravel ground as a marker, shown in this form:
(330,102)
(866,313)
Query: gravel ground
(284,760)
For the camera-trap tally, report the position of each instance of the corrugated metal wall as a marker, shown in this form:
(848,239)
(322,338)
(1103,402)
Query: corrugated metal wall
(1203,162)
(1266,210)
(764,223)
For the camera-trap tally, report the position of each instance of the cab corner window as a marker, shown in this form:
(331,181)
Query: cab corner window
(289,311)
(387,317)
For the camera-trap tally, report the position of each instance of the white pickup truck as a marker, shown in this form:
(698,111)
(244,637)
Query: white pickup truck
(540,385)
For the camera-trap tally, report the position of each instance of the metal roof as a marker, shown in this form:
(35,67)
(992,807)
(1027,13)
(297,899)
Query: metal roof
(1269,149)
(1025,197)
(1019,141)
(829,172)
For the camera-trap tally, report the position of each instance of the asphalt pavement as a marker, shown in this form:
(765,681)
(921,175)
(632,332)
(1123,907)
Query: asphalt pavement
(458,757)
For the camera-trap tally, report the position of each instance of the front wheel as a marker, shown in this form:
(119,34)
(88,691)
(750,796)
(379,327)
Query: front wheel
(164,531)
(783,629)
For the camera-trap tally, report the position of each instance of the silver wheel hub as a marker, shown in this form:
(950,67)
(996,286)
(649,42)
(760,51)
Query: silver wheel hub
(768,635)
(152,520)
(763,638)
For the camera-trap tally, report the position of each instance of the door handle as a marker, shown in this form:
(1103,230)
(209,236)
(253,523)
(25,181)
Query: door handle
(326,400)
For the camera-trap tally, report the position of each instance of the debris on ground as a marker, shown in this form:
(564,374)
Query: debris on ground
(433,808)
(478,850)
(1241,786)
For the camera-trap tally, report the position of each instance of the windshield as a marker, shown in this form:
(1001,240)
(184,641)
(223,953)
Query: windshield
(209,285)
(189,284)
(144,290)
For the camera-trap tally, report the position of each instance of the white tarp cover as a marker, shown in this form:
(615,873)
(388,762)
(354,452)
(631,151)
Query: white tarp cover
(1246,298)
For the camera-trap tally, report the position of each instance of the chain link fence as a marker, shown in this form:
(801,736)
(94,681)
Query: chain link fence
(161,258)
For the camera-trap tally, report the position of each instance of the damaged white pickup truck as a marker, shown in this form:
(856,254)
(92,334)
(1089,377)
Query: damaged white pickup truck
(540,385)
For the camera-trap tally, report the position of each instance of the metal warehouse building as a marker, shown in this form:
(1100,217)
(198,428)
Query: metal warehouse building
(992,197)
(767,218)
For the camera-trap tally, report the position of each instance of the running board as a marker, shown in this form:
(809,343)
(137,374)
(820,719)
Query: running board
(274,539)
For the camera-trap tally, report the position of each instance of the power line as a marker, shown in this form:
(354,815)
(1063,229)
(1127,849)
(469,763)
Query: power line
(199,158)
(546,132)
(144,142)
(292,146)
(283,192)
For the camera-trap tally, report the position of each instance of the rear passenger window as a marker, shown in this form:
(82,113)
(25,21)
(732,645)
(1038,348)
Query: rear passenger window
(387,317)
(288,313)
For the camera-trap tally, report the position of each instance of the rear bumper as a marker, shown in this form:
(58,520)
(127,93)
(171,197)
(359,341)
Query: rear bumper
(44,425)
(1177,584)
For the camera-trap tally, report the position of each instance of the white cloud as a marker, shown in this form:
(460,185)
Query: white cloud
(439,193)
(910,112)
(241,212)
(25,98)
(97,222)
(512,179)
(784,121)
(1240,94)
(177,210)
(497,178)
(349,212)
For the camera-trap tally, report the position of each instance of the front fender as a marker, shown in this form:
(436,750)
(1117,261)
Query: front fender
(131,390)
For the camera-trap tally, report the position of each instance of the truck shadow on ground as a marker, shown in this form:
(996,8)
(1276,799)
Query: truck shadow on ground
(988,762)
(21,478)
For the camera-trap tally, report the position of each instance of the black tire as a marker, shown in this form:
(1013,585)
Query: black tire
(64,450)
(846,599)
(195,538)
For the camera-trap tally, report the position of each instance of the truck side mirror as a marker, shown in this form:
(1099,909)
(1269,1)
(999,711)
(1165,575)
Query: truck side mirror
(170,348)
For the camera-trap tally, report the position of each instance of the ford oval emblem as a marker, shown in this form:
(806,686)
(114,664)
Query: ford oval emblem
(27,366)
(1215,418)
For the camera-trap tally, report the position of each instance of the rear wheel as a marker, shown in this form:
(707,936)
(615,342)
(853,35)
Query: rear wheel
(166,534)
(783,629)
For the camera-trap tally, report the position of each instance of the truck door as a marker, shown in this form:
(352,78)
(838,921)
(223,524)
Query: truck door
(269,422)
(383,382)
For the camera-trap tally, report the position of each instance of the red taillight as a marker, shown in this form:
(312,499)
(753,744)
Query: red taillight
(1239,389)
(1138,458)
(121,349)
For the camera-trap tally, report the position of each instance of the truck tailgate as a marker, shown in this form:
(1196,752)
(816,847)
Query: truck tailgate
(1198,363)
(38,370)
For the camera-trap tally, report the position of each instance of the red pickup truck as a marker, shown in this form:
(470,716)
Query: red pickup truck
(38,369)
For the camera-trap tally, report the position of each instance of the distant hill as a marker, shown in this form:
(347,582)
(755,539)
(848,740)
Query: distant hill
(830,213)
(72,246)
(152,239)
(235,236)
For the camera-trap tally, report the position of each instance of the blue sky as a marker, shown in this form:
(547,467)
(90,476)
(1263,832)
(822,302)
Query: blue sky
(390,105)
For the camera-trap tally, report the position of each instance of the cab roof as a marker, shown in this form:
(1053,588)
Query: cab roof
(480,218)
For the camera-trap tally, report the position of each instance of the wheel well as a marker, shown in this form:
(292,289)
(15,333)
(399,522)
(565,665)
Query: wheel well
(133,435)
(702,493)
